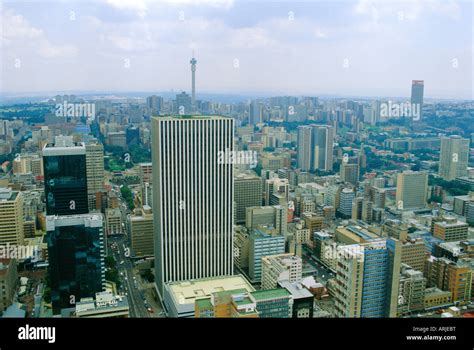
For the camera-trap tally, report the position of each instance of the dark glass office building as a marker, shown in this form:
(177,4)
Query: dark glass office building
(65,178)
(76,258)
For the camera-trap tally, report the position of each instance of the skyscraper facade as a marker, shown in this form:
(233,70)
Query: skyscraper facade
(322,147)
(193,197)
(454,157)
(95,170)
(76,258)
(315,147)
(417,91)
(65,178)
(412,187)
(193,83)
(367,279)
(304,147)
(248,193)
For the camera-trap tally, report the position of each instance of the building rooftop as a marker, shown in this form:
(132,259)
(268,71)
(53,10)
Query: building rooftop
(296,290)
(16,310)
(204,303)
(7,194)
(188,291)
(261,295)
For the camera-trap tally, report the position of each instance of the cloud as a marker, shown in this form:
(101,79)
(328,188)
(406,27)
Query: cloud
(18,36)
(379,10)
(303,54)
(141,7)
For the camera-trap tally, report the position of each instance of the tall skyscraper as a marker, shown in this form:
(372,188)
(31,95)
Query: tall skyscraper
(454,157)
(256,112)
(193,197)
(412,187)
(322,147)
(184,104)
(315,147)
(304,147)
(248,193)
(154,104)
(94,171)
(193,83)
(346,196)
(76,258)
(65,177)
(417,87)
(350,173)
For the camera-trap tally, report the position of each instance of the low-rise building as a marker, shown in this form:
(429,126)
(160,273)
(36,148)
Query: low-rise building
(105,305)
(179,297)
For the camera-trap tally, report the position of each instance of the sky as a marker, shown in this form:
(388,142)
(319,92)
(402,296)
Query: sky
(338,47)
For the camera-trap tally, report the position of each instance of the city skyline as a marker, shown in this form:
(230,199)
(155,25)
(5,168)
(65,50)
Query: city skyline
(243,47)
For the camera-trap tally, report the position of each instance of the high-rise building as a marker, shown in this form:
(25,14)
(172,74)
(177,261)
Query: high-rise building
(76,258)
(395,229)
(454,157)
(412,187)
(322,146)
(282,267)
(141,232)
(28,163)
(357,208)
(454,277)
(313,222)
(346,197)
(270,217)
(411,292)
(261,245)
(11,217)
(8,282)
(183,104)
(367,279)
(450,229)
(117,139)
(65,177)
(94,171)
(193,83)
(146,179)
(315,147)
(256,112)
(273,303)
(302,299)
(113,221)
(276,191)
(248,193)
(193,197)
(350,173)
(414,253)
(417,87)
(304,147)
(154,104)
